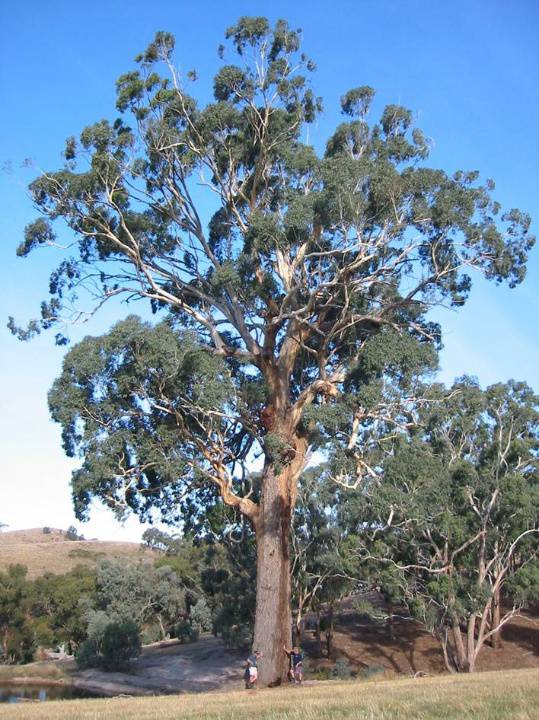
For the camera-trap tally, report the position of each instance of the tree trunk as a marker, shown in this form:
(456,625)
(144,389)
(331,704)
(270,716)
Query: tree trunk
(162,628)
(298,626)
(460,650)
(470,645)
(273,622)
(496,640)
(329,629)
(390,623)
(318,634)
(449,659)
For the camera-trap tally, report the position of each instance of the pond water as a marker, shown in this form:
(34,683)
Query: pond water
(24,693)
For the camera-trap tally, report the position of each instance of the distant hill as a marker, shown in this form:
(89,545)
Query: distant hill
(45,550)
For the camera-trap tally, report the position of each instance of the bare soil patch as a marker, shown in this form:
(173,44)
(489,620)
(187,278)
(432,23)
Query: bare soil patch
(364,643)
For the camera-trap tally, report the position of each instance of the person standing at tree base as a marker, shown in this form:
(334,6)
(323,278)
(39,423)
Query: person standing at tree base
(296,664)
(251,670)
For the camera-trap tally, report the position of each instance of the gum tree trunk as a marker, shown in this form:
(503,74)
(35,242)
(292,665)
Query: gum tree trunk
(460,651)
(273,622)
(471,647)
(496,640)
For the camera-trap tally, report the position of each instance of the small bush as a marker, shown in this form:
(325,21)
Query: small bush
(121,643)
(185,632)
(200,616)
(342,669)
(151,634)
(236,636)
(110,647)
(87,655)
(72,534)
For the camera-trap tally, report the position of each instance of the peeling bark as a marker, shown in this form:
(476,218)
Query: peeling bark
(273,624)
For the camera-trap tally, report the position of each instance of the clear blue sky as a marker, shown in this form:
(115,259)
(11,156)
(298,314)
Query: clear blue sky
(468,70)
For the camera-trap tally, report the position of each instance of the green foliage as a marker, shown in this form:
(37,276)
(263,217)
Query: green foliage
(140,592)
(59,602)
(132,403)
(235,636)
(323,567)
(523,585)
(229,583)
(72,533)
(186,632)
(456,518)
(342,670)
(87,656)
(200,616)
(110,645)
(151,633)
(297,240)
(121,643)
(17,638)
(48,611)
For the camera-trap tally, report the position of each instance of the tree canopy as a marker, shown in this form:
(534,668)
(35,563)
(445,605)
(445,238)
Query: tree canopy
(296,284)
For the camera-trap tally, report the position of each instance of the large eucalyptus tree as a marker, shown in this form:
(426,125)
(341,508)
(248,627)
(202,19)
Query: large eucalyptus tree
(298,279)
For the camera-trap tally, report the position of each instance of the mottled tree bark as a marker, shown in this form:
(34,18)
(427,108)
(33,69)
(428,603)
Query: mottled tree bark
(273,623)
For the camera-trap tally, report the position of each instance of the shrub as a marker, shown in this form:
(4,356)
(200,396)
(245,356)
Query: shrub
(19,645)
(121,643)
(72,534)
(185,632)
(236,636)
(110,645)
(87,655)
(342,669)
(200,616)
(151,634)
(43,633)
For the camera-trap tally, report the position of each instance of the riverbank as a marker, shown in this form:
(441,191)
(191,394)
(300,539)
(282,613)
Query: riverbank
(161,669)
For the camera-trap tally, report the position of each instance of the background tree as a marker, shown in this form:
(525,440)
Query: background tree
(16,636)
(285,272)
(110,644)
(461,536)
(73,534)
(323,564)
(60,602)
(140,593)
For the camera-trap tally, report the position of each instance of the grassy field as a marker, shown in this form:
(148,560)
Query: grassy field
(512,695)
(43,670)
(52,552)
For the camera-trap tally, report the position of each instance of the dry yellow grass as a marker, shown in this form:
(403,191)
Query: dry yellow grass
(42,670)
(512,695)
(51,552)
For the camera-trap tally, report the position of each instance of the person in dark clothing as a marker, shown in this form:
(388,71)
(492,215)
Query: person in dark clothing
(251,670)
(296,664)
